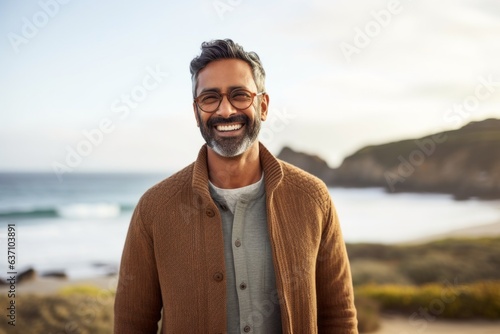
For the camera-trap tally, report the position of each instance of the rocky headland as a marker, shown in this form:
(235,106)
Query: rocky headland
(463,162)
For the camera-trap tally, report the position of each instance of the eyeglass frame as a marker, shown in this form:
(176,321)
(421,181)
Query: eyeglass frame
(195,100)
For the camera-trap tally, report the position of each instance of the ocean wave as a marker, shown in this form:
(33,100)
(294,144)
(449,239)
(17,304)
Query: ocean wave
(73,211)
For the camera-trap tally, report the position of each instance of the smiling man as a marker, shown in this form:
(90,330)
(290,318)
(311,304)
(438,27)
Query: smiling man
(238,241)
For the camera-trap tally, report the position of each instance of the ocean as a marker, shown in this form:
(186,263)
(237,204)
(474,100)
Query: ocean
(78,226)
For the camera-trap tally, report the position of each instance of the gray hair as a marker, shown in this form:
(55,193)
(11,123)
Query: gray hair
(226,49)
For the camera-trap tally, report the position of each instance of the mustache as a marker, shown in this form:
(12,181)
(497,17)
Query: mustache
(241,118)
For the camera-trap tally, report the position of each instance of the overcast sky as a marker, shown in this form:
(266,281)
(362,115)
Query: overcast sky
(105,85)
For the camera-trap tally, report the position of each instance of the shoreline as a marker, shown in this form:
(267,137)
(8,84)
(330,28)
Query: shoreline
(490,230)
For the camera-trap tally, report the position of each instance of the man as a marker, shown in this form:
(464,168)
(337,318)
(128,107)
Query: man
(238,241)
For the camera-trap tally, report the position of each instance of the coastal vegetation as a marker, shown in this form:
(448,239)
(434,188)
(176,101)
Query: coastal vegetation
(444,279)
(80,309)
(463,260)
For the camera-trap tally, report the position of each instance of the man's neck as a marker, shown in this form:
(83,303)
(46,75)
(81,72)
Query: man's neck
(234,172)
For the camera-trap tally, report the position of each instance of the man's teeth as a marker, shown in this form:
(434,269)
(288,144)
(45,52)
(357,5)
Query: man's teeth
(230,127)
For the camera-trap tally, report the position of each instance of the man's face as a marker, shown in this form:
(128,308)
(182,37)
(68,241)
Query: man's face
(229,131)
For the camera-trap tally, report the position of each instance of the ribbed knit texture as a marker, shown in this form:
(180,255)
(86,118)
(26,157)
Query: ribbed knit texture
(174,256)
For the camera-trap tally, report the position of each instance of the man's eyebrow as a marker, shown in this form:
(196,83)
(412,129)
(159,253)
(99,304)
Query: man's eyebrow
(204,90)
(218,90)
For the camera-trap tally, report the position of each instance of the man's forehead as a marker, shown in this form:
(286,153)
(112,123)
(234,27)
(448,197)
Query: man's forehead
(226,73)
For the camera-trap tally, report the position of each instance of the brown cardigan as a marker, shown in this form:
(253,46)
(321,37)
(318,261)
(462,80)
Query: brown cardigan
(174,256)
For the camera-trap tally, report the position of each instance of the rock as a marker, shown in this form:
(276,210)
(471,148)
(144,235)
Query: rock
(109,269)
(55,274)
(310,163)
(27,275)
(463,162)
(99,264)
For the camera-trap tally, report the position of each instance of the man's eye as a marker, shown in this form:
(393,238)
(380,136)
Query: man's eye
(209,98)
(240,95)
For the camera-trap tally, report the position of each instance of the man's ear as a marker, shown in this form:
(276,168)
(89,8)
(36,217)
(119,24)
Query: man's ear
(196,115)
(264,107)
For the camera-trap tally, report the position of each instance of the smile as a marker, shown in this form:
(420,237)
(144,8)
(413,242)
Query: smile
(228,127)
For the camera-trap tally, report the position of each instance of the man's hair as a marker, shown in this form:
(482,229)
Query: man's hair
(226,49)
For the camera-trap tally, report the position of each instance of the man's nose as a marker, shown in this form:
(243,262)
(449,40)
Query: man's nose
(225,109)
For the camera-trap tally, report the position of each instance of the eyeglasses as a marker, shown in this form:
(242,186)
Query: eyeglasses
(240,99)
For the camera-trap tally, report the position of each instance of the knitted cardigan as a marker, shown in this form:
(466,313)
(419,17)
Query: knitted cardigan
(172,265)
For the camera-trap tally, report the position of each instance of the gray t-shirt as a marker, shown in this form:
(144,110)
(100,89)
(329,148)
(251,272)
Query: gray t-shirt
(252,300)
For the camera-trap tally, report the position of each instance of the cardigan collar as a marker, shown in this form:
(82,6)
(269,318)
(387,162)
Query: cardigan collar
(273,172)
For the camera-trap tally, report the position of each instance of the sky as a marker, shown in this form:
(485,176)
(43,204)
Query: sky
(90,86)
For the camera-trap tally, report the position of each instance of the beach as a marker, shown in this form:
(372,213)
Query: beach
(78,227)
(76,230)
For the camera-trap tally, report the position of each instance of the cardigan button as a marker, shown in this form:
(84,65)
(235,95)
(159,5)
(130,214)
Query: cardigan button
(218,277)
(247,329)
(209,212)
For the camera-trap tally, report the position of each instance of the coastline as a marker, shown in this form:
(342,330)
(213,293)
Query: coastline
(480,231)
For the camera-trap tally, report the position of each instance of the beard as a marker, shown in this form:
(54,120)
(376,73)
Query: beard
(230,146)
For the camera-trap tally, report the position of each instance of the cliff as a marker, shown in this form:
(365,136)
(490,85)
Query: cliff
(463,162)
(310,163)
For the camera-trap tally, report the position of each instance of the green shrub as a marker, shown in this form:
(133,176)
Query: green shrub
(87,290)
(375,272)
(475,300)
(434,268)
(57,314)
(468,260)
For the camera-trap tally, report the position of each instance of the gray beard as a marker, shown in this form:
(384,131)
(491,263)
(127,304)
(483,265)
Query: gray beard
(229,148)
(232,146)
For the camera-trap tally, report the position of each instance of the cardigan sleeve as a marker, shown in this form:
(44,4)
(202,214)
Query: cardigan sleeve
(138,298)
(336,310)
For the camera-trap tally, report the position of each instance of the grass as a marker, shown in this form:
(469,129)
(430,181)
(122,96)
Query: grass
(465,260)
(82,310)
(89,310)
(451,278)
(447,300)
